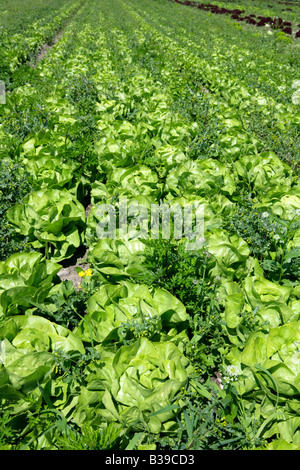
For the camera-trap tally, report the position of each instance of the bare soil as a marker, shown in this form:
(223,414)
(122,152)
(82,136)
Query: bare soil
(43,51)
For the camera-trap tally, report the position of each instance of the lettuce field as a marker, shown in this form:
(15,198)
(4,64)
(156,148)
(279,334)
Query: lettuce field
(112,337)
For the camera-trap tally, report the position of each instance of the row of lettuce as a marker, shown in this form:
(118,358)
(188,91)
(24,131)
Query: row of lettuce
(124,362)
(21,47)
(247,80)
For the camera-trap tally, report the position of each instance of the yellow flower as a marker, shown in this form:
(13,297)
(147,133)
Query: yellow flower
(88,272)
(81,274)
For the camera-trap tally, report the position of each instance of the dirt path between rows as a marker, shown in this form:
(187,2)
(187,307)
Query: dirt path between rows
(45,48)
(43,51)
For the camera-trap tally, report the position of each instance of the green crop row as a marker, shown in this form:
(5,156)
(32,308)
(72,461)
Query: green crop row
(267,111)
(23,45)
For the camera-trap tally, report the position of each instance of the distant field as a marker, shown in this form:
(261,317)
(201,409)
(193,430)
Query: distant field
(17,15)
(27,27)
(288,10)
(279,14)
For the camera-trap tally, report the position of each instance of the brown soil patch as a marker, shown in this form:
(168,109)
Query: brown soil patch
(43,51)
(70,273)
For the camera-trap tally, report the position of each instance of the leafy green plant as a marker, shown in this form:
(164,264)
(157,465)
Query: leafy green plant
(25,280)
(116,309)
(83,92)
(185,274)
(8,435)
(25,116)
(72,366)
(68,305)
(52,219)
(281,36)
(210,419)
(146,327)
(171,265)
(253,225)
(14,186)
(87,438)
